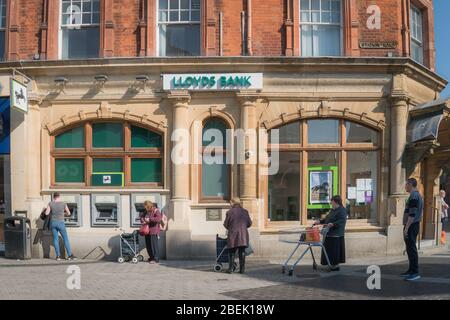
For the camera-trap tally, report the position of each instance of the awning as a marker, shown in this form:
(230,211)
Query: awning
(425,120)
(423,131)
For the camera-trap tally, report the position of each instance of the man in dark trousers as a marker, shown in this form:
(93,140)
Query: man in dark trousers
(237,223)
(411,221)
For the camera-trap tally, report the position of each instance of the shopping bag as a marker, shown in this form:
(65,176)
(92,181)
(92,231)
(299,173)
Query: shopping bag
(249,251)
(312,234)
(144,230)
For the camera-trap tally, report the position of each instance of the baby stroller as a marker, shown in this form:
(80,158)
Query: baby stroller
(222,254)
(129,248)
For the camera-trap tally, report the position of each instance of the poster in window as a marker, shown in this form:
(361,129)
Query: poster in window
(321,187)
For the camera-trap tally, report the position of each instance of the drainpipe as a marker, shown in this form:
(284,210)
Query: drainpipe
(243,38)
(220,33)
(249,28)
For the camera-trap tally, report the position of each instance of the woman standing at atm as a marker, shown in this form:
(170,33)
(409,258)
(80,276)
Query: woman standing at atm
(152,218)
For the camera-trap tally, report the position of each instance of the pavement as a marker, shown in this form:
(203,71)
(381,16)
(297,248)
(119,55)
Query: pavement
(196,280)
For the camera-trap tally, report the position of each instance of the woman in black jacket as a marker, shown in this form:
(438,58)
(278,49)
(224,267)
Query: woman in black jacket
(334,241)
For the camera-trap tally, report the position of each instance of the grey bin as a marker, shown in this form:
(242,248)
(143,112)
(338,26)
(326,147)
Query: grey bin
(17,232)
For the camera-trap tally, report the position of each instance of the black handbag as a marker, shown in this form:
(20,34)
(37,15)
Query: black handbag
(43,216)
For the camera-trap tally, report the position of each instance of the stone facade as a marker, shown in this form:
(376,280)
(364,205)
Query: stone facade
(374,84)
(374,92)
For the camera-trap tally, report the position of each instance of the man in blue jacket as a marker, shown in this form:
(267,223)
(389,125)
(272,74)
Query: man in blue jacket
(411,221)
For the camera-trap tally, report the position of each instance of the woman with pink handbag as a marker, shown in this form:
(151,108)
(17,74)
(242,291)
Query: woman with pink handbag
(150,229)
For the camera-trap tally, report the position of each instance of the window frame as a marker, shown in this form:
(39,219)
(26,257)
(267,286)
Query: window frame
(158,24)
(88,153)
(4,20)
(62,26)
(222,151)
(415,13)
(310,23)
(303,148)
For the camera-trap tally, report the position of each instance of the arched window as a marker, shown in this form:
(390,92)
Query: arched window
(107,154)
(215,172)
(319,158)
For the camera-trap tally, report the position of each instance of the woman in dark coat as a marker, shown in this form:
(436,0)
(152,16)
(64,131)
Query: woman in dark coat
(334,241)
(152,217)
(237,222)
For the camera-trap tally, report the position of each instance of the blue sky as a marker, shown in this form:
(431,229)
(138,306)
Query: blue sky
(442,38)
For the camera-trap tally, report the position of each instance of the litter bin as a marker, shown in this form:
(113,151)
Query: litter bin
(17,233)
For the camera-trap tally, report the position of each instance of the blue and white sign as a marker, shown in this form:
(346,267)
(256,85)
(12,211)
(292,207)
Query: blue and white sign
(213,81)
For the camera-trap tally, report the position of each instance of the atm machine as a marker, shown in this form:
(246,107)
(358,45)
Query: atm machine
(106,210)
(137,206)
(74,203)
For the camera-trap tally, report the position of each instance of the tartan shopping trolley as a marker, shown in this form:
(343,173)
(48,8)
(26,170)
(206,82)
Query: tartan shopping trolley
(311,237)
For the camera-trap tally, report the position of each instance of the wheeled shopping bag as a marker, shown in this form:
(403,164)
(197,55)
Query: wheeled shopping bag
(222,256)
(129,248)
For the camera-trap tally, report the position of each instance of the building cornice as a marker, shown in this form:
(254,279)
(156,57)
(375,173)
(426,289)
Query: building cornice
(157,66)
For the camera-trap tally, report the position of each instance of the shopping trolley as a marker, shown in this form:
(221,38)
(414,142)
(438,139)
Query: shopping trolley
(222,254)
(303,241)
(129,248)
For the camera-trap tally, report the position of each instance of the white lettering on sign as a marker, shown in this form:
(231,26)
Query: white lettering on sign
(374,20)
(213,82)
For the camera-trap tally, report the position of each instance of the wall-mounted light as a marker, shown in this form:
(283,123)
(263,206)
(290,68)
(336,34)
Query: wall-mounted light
(101,78)
(61,83)
(142,78)
(61,80)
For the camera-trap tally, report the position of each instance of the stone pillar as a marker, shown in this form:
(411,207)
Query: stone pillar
(399,121)
(248,170)
(398,195)
(34,201)
(179,227)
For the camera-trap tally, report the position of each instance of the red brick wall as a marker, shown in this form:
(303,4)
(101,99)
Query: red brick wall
(231,10)
(268,34)
(391,26)
(267,27)
(125,18)
(30,17)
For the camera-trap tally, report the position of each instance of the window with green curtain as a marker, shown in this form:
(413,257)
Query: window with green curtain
(107,135)
(214,177)
(146,170)
(70,139)
(69,170)
(214,133)
(143,138)
(109,165)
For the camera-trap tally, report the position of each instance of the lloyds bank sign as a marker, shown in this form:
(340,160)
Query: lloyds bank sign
(213,81)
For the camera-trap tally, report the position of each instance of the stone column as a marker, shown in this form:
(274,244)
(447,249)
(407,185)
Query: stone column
(179,227)
(248,178)
(399,121)
(398,195)
(31,190)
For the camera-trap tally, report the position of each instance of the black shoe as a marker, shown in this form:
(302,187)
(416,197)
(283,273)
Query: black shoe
(58,258)
(406,274)
(230,271)
(72,257)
